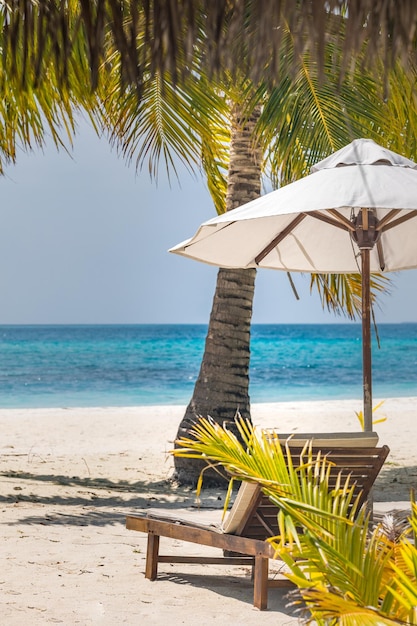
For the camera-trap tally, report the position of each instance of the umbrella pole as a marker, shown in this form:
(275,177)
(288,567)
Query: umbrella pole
(366,340)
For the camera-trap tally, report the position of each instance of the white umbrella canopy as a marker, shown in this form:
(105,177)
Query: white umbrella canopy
(356,212)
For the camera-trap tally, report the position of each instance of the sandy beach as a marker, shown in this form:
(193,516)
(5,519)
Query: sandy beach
(70,476)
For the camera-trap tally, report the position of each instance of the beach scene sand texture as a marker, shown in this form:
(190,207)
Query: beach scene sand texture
(70,476)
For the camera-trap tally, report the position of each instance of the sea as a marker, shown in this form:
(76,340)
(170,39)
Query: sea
(129,365)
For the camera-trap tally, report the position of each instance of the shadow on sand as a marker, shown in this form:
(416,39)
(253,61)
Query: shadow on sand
(395,483)
(98,501)
(237,587)
(102,502)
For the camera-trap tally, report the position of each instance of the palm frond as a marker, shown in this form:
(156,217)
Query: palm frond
(361,419)
(41,97)
(403,583)
(400,134)
(171,123)
(237,33)
(299,486)
(309,114)
(342,293)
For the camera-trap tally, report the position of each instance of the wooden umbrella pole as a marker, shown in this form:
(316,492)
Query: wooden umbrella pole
(366,340)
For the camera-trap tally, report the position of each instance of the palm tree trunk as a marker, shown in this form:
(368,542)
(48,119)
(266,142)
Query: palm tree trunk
(222,387)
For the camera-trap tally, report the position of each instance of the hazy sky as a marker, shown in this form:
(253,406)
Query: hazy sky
(83,239)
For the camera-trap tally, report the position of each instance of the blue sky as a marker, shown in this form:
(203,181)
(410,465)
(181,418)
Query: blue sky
(84,239)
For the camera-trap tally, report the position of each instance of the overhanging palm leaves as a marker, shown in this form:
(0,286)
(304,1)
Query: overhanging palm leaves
(36,102)
(239,34)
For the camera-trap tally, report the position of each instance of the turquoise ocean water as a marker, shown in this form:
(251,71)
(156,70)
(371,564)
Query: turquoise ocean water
(55,366)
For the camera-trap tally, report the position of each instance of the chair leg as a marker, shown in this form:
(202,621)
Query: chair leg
(151,568)
(260,583)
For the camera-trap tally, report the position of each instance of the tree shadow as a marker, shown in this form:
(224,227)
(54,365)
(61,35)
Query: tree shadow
(100,501)
(84,518)
(92,483)
(103,502)
(395,483)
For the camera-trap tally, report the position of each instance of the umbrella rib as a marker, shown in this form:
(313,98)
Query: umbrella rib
(387,218)
(379,247)
(400,220)
(331,221)
(341,219)
(380,252)
(277,240)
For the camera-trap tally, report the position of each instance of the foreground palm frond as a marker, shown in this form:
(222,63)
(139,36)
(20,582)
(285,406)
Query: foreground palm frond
(345,570)
(299,486)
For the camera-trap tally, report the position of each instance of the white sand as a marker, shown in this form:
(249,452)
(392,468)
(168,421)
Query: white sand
(68,478)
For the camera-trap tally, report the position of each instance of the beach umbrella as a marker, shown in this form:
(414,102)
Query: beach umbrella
(355,212)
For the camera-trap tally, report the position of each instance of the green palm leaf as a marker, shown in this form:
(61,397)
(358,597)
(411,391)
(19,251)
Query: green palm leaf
(342,293)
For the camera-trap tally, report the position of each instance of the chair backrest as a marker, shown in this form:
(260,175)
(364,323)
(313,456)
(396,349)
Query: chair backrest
(358,439)
(254,515)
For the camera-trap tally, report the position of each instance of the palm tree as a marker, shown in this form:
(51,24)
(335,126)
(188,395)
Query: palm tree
(222,385)
(304,111)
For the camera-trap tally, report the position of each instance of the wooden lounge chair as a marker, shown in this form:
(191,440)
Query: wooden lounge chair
(253,517)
